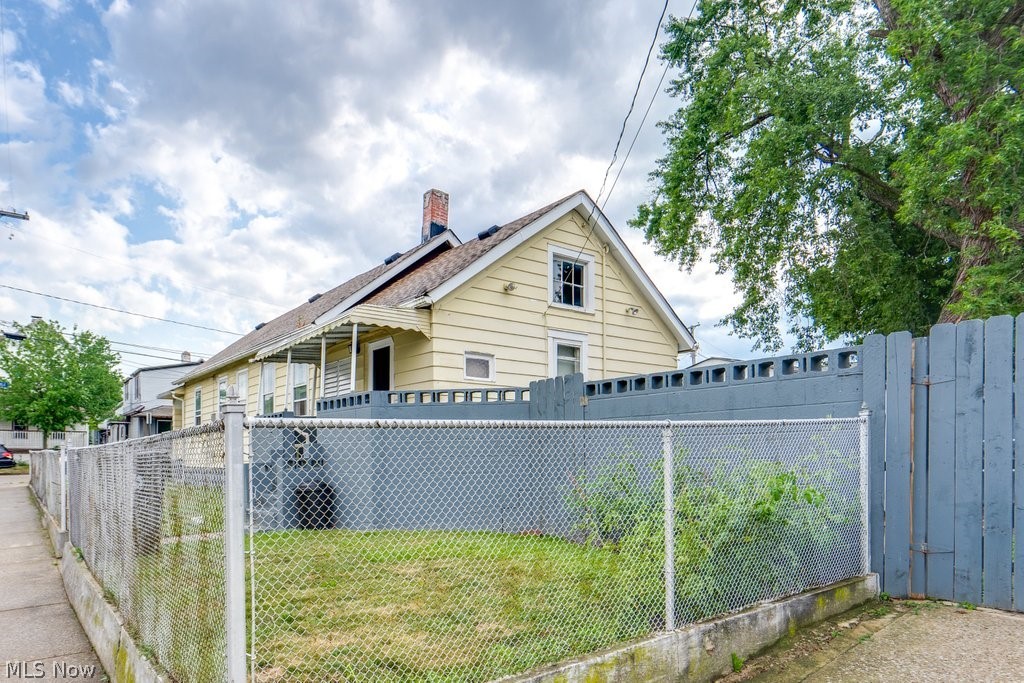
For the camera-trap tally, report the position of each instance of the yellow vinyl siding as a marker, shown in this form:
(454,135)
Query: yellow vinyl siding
(481,316)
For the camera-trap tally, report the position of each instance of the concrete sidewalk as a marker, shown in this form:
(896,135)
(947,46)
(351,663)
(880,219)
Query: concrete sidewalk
(39,632)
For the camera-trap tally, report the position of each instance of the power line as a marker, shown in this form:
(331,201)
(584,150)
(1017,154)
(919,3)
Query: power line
(636,91)
(148,347)
(121,310)
(138,269)
(622,132)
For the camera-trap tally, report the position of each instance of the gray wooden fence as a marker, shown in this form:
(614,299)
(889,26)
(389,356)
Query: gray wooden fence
(948,461)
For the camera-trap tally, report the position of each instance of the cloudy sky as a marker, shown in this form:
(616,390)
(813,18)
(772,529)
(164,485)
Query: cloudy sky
(218,162)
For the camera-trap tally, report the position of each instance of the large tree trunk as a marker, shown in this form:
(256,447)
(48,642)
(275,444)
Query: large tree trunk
(974,251)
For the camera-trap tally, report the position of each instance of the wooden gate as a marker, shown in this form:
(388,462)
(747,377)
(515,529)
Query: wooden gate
(947,461)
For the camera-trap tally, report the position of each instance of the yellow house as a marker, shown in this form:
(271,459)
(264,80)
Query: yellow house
(554,292)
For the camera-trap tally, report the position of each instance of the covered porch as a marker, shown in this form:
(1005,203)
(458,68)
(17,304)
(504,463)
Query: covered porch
(355,351)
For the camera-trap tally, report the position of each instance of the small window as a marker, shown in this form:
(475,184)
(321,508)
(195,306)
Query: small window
(568,353)
(572,278)
(222,389)
(267,379)
(569,283)
(300,389)
(138,387)
(567,359)
(479,366)
(199,407)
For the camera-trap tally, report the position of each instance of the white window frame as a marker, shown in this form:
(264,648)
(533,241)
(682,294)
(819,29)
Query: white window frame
(476,355)
(556,337)
(588,261)
(373,346)
(197,405)
(261,401)
(242,386)
(293,369)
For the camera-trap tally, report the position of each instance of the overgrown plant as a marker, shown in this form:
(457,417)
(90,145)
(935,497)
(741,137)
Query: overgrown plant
(744,532)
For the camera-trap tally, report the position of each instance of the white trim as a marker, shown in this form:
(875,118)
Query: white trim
(577,339)
(582,202)
(243,387)
(370,348)
(489,357)
(588,261)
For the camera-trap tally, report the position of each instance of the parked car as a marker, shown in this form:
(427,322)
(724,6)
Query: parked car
(6,457)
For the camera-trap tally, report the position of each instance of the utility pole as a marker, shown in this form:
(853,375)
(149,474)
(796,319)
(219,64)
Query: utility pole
(4,213)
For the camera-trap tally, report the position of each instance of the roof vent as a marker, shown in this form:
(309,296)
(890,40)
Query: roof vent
(260,326)
(484,234)
(391,259)
(313,298)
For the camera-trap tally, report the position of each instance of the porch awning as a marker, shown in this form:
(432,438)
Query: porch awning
(305,343)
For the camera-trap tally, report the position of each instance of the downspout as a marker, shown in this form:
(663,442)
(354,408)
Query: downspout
(604,315)
(355,347)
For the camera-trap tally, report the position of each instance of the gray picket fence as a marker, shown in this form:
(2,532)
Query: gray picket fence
(947,461)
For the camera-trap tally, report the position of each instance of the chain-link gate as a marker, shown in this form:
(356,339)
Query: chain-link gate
(468,551)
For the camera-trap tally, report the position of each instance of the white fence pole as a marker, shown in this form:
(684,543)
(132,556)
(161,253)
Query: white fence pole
(865,452)
(670,534)
(62,472)
(234,536)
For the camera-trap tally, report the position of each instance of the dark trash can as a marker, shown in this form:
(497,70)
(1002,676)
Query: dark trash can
(314,505)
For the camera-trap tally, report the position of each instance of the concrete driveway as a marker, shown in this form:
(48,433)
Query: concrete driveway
(899,642)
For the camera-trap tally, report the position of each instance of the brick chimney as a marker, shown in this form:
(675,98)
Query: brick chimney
(435,213)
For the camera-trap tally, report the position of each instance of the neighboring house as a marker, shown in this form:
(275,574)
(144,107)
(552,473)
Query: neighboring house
(712,360)
(23,438)
(551,293)
(143,408)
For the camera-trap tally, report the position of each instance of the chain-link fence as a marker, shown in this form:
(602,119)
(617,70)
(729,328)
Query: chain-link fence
(148,517)
(46,478)
(467,551)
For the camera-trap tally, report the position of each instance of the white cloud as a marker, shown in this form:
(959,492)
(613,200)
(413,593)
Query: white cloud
(288,147)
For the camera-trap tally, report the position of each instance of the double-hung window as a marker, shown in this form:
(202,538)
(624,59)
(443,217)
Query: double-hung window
(572,279)
(567,353)
(268,377)
(300,389)
(199,406)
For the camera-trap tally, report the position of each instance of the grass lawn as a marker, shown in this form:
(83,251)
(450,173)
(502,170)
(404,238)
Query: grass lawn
(20,468)
(433,606)
(381,606)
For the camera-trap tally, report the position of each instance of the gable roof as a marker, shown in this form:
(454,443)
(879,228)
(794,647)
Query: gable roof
(434,269)
(450,270)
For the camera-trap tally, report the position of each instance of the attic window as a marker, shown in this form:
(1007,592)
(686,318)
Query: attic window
(572,279)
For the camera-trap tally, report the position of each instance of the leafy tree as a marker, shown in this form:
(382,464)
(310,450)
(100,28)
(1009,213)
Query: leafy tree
(856,165)
(57,379)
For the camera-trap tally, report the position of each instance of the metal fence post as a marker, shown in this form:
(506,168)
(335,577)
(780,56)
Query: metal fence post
(865,454)
(670,532)
(62,468)
(234,536)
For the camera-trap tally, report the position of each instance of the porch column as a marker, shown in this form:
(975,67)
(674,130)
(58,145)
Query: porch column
(355,348)
(288,382)
(323,363)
